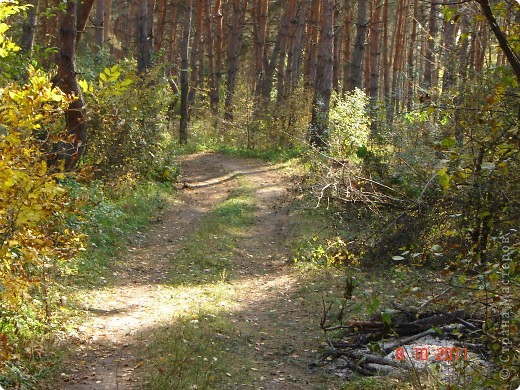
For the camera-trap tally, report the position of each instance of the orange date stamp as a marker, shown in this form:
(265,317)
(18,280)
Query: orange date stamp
(440,354)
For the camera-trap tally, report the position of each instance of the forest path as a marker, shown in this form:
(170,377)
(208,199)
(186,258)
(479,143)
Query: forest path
(205,298)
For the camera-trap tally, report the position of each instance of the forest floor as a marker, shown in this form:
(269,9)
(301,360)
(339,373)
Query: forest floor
(206,298)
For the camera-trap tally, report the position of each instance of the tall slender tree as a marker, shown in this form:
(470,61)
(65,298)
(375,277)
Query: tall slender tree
(29,27)
(66,80)
(185,73)
(318,129)
(356,76)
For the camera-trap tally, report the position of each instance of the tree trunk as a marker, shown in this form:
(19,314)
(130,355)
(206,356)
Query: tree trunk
(410,60)
(346,55)
(430,47)
(65,79)
(144,56)
(185,75)
(234,48)
(213,87)
(312,43)
(106,21)
(448,77)
(512,57)
(318,129)
(29,27)
(161,25)
(194,54)
(173,35)
(385,51)
(337,72)
(284,45)
(259,11)
(356,75)
(83,11)
(374,53)
(219,39)
(98,25)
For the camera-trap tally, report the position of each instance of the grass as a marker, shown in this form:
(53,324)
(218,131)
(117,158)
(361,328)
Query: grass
(198,348)
(205,257)
(110,218)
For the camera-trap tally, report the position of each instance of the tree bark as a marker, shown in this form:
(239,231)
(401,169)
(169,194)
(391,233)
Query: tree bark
(312,42)
(106,21)
(234,48)
(98,25)
(259,11)
(430,46)
(161,25)
(195,80)
(65,79)
(29,27)
(144,56)
(346,54)
(411,64)
(512,57)
(83,11)
(173,35)
(185,75)
(219,38)
(318,129)
(213,87)
(356,75)
(374,53)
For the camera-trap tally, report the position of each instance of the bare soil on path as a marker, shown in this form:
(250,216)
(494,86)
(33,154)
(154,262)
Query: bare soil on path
(270,303)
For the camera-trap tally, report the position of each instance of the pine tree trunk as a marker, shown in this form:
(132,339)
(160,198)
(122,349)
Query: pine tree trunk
(234,48)
(374,53)
(386,49)
(348,45)
(219,32)
(297,48)
(284,48)
(356,75)
(318,129)
(29,27)
(213,87)
(411,63)
(106,21)
(185,75)
(83,12)
(173,34)
(161,25)
(65,79)
(195,80)
(143,49)
(98,25)
(259,12)
(428,78)
(312,43)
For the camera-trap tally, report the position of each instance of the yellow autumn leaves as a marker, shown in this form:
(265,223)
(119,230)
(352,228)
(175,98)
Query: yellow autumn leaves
(36,242)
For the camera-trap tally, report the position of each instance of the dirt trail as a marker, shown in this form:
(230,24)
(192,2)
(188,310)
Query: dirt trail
(284,327)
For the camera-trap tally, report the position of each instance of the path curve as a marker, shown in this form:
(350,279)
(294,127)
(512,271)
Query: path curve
(108,347)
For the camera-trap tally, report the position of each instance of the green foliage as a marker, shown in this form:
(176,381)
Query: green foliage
(37,240)
(111,215)
(329,252)
(349,122)
(127,125)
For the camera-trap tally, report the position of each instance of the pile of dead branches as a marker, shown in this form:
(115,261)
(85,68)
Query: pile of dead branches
(368,347)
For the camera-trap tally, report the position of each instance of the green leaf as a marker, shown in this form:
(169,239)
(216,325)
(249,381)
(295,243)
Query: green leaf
(444,179)
(489,166)
(362,151)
